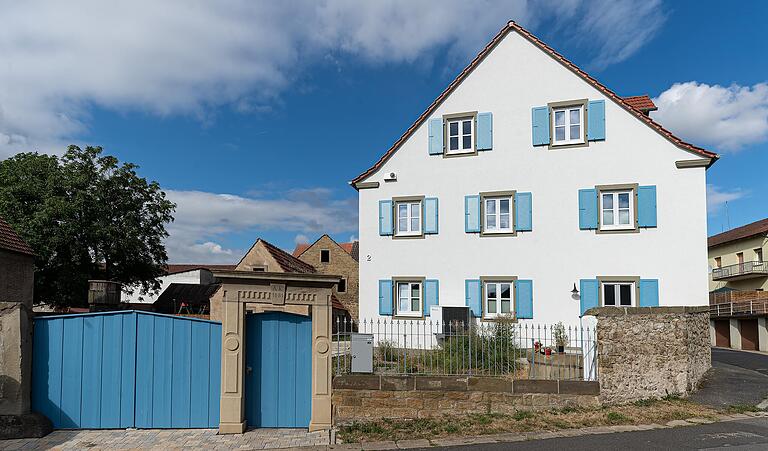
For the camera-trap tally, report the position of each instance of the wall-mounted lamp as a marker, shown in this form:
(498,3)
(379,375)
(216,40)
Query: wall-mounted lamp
(574,292)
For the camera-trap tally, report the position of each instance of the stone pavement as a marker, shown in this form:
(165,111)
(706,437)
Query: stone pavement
(196,439)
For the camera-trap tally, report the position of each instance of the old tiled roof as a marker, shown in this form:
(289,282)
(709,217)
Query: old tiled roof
(512,26)
(352,248)
(335,303)
(749,230)
(11,241)
(174,268)
(642,103)
(288,262)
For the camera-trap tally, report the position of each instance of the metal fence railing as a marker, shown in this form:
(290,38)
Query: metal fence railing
(740,269)
(501,348)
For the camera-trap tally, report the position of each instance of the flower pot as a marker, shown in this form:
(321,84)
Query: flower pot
(561,349)
(548,352)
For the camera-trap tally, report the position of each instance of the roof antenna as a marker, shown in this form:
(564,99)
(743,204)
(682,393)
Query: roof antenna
(727,216)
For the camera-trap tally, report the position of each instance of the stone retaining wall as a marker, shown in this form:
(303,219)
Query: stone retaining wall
(367,397)
(651,352)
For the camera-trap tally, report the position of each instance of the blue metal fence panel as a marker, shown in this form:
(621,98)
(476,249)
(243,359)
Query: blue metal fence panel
(279,398)
(126,369)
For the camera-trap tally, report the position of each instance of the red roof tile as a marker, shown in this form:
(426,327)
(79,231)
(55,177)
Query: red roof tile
(11,241)
(288,262)
(351,248)
(512,26)
(746,231)
(642,103)
(300,248)
(173,268)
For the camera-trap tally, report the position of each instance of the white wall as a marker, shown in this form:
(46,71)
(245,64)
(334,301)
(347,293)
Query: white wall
(197,277)
(515,77)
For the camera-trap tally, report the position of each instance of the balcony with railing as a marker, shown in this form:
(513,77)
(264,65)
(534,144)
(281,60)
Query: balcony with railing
(739,271)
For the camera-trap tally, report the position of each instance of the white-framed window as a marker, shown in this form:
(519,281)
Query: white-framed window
(408,218)
(617,210)
(461,135)
(497,214)
(618,294)
(568,125)
(498,298)
(408,299)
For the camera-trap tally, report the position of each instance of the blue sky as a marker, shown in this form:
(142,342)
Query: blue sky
(254,117)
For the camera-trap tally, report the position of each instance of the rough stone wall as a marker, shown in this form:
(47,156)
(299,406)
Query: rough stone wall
(16,277)
(15,358)
(650,352)
(365,397)
(341,264)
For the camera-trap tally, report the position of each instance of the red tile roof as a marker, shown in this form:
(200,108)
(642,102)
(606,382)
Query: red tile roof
(746,231)
(288,262)
(512,26)
(11,241)
(642,103)
(300,249)
(173,268)
(335,303)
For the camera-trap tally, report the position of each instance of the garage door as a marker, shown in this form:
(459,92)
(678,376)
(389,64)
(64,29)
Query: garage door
(278,370)
(749,338)
(722,333)
(126,369)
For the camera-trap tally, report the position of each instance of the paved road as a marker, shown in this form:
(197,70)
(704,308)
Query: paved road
(737,377)
(743,435)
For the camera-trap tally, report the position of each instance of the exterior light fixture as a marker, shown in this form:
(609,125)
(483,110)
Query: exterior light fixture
(574,292)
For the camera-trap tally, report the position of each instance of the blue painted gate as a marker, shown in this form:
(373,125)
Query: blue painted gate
(127,369)
(278,391)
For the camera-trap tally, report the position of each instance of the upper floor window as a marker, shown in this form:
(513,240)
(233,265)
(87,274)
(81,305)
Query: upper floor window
(498,299)
(461,135)
(342,287)
(617,210)
(408,218)
(498,214)
(325,256)
(618,294)
(568,125)
(718,262)
(759,255)
(408,301)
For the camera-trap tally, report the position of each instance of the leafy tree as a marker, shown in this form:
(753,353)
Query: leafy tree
(87,217)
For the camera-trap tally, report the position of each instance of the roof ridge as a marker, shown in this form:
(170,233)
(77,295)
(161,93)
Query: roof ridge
(513,26)
(272,248)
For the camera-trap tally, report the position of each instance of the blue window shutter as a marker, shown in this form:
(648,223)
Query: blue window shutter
(473,297)
(596,120)
(435,136)
(431,294)
(646,206)
(540,125)
(649,292)
(524,299)
(385,297)
(523,212)
(484,131)
(588,209)
(430,215)
(588,293)
(471,214)
(385,217)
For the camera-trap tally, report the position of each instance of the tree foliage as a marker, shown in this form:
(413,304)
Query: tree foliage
(87,217)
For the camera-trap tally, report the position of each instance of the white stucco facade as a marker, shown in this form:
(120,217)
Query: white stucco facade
(194,277)
(555,254)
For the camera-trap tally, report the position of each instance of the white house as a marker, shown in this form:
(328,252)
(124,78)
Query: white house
(524,179)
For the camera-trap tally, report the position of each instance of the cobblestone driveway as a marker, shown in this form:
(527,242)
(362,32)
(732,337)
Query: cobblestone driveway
(170,439)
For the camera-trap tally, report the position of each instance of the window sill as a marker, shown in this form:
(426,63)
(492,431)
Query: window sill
(553,146)
(406,236)
(510,233)
(616,231)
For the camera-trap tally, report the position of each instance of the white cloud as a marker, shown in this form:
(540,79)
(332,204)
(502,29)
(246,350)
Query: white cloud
(726,118)
(202,218)
(717,197)
(60,59)
(301,239)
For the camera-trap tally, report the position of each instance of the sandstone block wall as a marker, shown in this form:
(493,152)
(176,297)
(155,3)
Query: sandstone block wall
(371,397)
(647,352)
(340,264)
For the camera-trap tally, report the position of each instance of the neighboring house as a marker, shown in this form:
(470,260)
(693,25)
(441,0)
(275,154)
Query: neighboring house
(340,259)
(738,283)
(17,267)
(527,180)
(265,256)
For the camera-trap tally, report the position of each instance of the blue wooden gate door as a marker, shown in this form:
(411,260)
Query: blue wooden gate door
(127,369)
(278,390)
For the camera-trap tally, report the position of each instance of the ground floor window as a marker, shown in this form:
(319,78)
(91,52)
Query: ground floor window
(409,299)
(498,298)
(619,294)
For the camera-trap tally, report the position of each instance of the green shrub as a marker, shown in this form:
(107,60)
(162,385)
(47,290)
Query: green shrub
(617,418)
(521,415)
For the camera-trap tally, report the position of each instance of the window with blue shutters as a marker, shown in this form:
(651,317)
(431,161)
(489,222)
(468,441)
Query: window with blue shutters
(588,294)
(473,297)
(385,217)
(431,295)
(617,208)
(413,216)
(386,302)
(461,134)
(498,213)
(568,123)
(596,120)
(649,293)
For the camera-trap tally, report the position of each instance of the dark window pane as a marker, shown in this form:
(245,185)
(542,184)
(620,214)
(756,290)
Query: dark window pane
(454,143)
(626,294)
(467,142)
(325,256)
(454,128)
(342,286)
(467,127)
(609,295)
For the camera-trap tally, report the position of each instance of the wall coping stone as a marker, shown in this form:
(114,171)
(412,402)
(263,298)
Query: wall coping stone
(464,383)
(623,311)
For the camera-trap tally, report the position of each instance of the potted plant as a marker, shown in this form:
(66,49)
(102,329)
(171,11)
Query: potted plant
(561,338)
